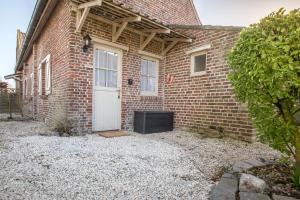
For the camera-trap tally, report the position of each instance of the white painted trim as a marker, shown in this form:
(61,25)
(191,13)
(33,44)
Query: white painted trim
(198,49)
(193,73)
(108,43)
(145,93)
(48,89)
(120,67)
(151,55)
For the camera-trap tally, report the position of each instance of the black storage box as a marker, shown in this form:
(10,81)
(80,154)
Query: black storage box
(153,121)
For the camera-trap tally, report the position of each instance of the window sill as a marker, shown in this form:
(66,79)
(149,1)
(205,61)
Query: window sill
(150,98)
(149,94)
(198,73)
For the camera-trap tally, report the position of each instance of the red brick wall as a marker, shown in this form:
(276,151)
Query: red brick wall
(202,101)
(197,101)
(82,70)
(53,40)
(27,99)
(166,11)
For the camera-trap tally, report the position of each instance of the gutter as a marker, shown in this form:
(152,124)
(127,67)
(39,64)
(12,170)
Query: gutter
(41,13)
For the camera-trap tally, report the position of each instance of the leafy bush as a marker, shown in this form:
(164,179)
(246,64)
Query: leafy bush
(265,74)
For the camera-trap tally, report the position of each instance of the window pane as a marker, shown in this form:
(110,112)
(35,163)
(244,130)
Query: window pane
(101,59)
(112,61)
(144,83)
(100,77)
(200,63)
(151,84)
(152,69)
(144,67)
(112,79)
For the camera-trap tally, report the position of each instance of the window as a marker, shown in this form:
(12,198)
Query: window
(31,84)
(25,87)
(44,77)
(149,77)
(106,69)
(198,64)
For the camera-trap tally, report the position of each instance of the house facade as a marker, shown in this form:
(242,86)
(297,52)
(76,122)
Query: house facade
(96,62)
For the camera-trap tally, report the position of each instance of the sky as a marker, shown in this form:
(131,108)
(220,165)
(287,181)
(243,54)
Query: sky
(239,12)
(16,14)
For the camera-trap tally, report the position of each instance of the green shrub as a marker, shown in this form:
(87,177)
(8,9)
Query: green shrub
(265,74)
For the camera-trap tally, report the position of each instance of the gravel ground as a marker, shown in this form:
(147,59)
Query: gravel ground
(37,164)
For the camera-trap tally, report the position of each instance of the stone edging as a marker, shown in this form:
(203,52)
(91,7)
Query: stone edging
(228,186)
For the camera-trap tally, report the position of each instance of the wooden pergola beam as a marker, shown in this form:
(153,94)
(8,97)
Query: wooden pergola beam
(81,18)
(187,40)
(157,30)
(90,4)
(117,32)
(169,47)
(130,19)
(82,15)
(146,42)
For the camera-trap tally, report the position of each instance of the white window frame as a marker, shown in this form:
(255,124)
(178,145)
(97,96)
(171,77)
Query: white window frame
(32,80)
(47,62)
(40,79)
(193,56)
(147,93)
(198,51)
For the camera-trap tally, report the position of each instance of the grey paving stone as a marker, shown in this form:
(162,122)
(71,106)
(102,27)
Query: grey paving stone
(225,190)
(255,163)
(278,197)
(241,166)
(250,183)
(229,175)
(253,196)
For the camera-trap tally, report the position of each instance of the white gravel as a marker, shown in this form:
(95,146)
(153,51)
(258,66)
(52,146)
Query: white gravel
(175,165)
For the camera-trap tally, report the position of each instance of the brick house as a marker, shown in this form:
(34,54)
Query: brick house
(144,55)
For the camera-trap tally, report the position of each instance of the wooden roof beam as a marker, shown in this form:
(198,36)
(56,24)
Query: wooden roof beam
(90,4)
(187,40)
(169,47)
(130,19)
(146,42)
(157,30)
(117,32)
(81,17)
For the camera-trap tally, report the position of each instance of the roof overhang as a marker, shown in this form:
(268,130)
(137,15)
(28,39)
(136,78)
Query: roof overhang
(16,76)
(121,18)
(41,13)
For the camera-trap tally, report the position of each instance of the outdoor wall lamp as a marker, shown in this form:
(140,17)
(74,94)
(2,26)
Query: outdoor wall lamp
(87,43)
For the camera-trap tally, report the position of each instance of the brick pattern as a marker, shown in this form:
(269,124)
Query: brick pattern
(199,101)
(53,40)
(27,98)
(166,11)
(207,100)
(82,70)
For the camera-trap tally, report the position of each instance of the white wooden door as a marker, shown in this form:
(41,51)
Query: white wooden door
(107,99)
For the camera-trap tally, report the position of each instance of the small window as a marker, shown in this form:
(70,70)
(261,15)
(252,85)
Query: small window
(198,64)
(44,77)
(149,77)
(25,87)
(31,84)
